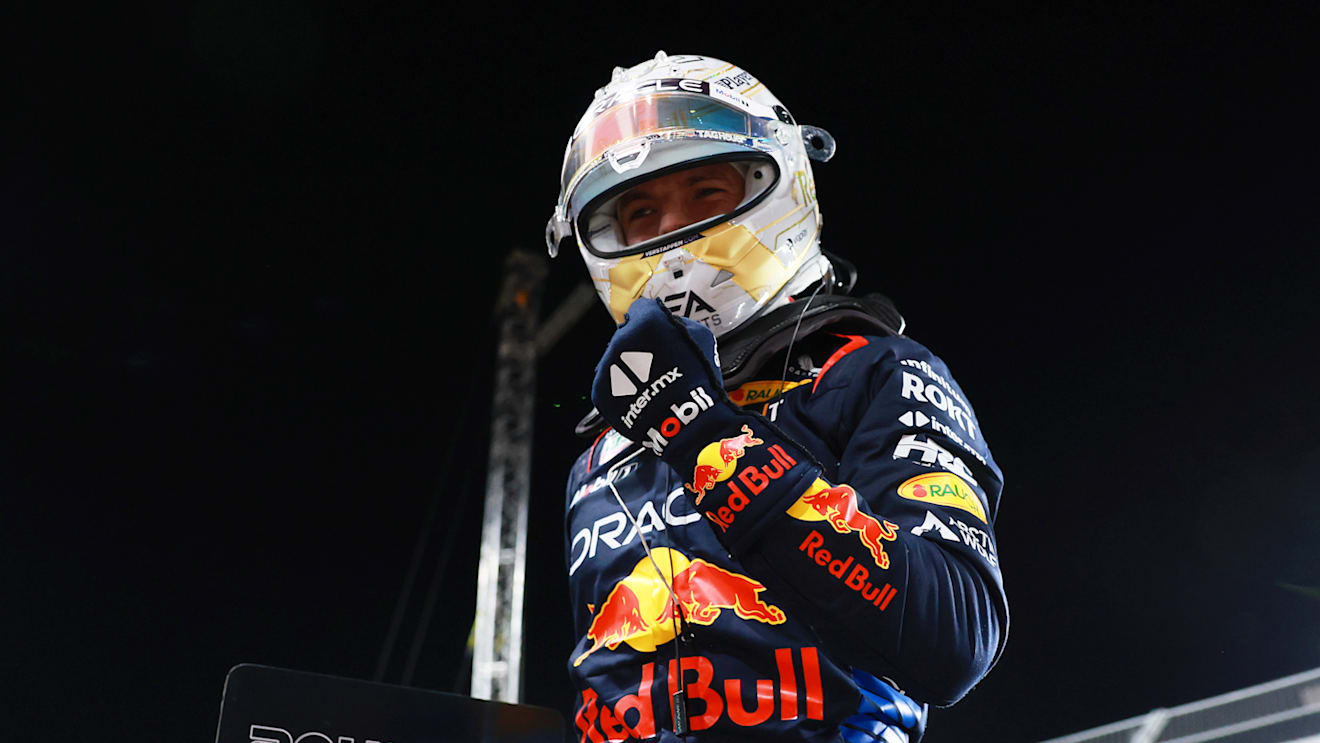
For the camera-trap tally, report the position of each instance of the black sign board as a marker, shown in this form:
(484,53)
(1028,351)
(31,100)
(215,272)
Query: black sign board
(275,705)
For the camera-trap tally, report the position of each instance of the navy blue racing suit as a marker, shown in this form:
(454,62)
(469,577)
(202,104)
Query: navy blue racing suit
(884,576)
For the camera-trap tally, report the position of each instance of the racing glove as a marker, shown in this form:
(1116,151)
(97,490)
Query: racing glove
(659,385)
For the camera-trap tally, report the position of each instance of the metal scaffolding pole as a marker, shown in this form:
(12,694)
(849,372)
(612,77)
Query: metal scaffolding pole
(497,630)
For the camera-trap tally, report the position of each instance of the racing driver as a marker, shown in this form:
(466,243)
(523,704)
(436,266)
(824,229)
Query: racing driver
(790,535)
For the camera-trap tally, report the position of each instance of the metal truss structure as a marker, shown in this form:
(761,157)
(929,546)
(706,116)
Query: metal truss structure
(1283,711)
(497,630)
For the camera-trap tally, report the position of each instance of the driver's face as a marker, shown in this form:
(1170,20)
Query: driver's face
(677,200)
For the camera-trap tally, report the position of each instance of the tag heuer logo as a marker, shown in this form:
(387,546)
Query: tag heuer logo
(639,363)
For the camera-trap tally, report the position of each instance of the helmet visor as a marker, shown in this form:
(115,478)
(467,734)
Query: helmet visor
(668,207)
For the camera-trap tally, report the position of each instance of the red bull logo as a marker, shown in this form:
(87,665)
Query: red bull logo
(717,460)
(704,589)
(640,611)
(837,505)
(742,702)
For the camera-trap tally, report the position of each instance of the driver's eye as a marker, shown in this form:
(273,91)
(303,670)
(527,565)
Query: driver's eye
(640,213)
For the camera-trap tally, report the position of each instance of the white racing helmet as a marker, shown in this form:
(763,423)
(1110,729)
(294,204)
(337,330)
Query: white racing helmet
(677,112)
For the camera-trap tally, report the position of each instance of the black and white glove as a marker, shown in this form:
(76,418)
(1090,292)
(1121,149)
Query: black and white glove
(659,384)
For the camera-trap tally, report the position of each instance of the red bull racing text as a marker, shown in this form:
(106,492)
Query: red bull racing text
(744,702)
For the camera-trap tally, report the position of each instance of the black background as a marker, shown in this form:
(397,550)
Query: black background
(251,251)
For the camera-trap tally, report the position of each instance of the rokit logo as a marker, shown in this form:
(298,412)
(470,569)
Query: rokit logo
(925,368)
(265,734)
(915,389)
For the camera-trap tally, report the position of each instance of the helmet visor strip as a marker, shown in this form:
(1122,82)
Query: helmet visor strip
(654,113)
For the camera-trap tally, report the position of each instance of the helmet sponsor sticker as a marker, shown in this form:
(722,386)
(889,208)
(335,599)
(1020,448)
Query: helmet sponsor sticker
(741,80)
(677,306)
(647,87)
(673,244)
(944,489)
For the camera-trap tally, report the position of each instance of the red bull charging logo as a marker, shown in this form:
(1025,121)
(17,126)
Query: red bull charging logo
(718,460)
(641,612)
(837,505)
